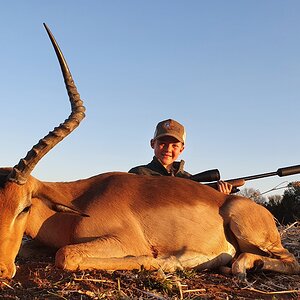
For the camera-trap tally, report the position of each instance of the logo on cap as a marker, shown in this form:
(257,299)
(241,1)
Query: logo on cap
(168,125)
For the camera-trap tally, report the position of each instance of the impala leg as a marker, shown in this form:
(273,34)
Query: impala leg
(169,264)
(286,264)
(257,238)
(265,255)
(96,255)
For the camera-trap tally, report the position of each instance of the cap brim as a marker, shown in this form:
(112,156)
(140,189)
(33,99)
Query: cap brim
(170,134)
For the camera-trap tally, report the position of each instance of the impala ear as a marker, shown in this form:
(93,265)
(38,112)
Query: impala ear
(61,208)
(65,209)
(48,195)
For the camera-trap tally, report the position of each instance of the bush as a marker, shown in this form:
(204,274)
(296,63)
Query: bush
(286,210)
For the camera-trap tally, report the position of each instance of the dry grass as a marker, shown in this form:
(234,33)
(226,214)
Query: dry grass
(39,279)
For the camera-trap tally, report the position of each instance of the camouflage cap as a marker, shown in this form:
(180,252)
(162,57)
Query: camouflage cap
(170,128)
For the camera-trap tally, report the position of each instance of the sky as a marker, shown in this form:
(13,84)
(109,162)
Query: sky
(228,70)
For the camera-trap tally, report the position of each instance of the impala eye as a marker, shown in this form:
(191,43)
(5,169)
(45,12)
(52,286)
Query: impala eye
(25,210)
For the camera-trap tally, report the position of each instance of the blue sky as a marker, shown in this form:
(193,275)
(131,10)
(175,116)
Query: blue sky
(228,70)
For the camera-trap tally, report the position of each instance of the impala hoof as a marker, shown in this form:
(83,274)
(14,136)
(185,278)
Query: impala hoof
(171,264)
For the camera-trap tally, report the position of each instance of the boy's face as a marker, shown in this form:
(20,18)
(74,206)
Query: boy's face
(167,149)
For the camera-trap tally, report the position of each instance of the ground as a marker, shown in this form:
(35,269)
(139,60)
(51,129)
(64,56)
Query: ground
(38,279)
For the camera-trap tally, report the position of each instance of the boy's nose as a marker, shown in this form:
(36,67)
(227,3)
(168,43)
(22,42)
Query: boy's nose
(167,146)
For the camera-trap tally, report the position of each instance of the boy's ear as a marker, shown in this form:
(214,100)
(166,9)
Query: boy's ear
(152,143)
(182,148)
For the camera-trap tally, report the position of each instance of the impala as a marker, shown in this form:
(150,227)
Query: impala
(120,221)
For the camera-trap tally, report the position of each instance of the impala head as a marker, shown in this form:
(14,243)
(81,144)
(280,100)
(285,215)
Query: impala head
(17,187)
(15,203)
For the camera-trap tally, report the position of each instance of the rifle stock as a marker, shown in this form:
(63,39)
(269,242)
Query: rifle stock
(234,182)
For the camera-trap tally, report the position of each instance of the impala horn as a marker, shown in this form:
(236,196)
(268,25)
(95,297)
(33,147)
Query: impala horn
(22,170)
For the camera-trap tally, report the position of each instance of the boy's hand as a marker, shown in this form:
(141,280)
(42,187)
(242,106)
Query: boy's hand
(224,187)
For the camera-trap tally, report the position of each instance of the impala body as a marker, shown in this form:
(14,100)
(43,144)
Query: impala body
(117,221)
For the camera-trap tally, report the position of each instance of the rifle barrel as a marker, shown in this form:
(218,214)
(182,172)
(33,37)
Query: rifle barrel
(286,171)
(252,177)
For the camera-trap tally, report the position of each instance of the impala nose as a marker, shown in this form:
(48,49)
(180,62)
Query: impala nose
(6,272)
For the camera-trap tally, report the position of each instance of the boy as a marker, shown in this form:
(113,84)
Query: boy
(168,143)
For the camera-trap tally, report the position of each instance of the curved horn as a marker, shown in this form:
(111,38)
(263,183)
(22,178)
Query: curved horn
(22,170)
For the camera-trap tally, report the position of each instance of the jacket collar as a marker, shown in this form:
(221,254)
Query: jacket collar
(177,167)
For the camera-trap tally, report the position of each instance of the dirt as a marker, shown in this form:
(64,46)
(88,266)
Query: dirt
(38,278)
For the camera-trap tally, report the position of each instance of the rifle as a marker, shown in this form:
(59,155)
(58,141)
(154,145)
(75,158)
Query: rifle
(214,175)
